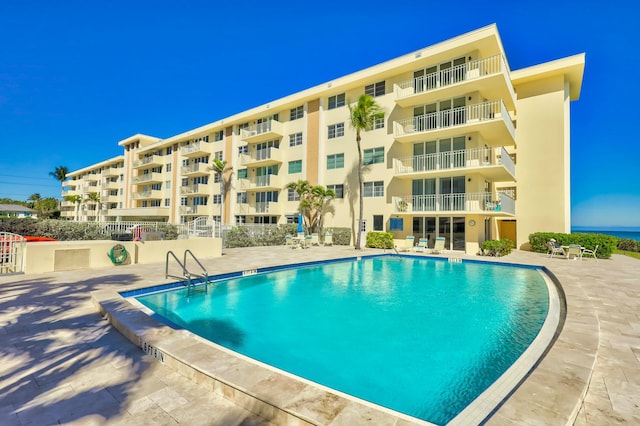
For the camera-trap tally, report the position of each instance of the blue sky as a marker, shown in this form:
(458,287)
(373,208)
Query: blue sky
(77,76)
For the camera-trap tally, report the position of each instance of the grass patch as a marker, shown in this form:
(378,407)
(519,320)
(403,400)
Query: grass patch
(627,253)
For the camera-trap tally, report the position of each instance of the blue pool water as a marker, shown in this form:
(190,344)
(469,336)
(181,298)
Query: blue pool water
(420,336)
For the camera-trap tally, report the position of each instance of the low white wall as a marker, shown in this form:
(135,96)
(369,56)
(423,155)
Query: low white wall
(41,257)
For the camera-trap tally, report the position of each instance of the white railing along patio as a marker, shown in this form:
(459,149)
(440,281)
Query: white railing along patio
(463,202)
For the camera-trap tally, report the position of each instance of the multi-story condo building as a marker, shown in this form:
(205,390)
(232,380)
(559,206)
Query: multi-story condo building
(467,149)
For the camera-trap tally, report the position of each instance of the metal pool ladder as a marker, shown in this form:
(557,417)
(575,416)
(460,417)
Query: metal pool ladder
(186,274)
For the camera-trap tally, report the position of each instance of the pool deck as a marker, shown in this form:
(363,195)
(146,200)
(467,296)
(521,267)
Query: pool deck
(61,362)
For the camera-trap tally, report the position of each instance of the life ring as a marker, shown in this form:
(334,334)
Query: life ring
(118,254)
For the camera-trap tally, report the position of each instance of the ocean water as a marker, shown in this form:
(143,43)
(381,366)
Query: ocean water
(630,233)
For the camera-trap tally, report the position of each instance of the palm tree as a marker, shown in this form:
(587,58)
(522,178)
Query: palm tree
(220,168)
(94,197)
(60,173)
(33,200)
(363,115)
(77,199)
(313,203)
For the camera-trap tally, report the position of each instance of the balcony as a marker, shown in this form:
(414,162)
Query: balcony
(138,212)
(93,177)
(198,169)
(260,183)
(487,75)
(106,198)
(494,163)
(262,132)
(487,203)
(110,185)
(196,149)
(112,172)
(148,195)
(261,157)
(267,207)
(150,161)
(196,189)
(196,210)
(490,119)
(71,183)
(147,178)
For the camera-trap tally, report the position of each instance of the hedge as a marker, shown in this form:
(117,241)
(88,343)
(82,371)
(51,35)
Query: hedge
(382,240)
(497,248)
(606,243)
(274,235)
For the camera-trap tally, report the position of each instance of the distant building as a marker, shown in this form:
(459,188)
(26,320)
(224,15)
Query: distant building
(15,210)
(468,150)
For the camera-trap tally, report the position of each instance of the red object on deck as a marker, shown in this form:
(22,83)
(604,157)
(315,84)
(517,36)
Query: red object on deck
(31,239)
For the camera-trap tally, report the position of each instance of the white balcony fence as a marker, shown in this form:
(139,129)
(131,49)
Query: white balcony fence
(464,202)
(11,253)
(261,128)
(194,147)
(473,157)
(459,73)
(451,117)
(147,160)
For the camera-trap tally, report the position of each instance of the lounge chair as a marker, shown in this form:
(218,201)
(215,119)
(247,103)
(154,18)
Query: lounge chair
(555,249)
(406,244)
(587,252)
(289,242)
(315,241)
(328,239)
(574,250)
(421,246)
(307,241)
(438,247)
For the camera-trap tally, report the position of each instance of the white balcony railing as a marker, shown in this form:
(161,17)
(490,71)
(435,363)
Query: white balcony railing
(270,127)
(152,159)
(453,117)
(262,155)
(199,146)
(465,202)
(149,177)
(473,157)
(459,73)
(198,168)
(197,188)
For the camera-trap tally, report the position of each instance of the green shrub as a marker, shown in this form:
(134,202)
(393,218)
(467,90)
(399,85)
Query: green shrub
(380,240)
(341,236)
(606,243)
(497,248)
(628,244)
(239,236)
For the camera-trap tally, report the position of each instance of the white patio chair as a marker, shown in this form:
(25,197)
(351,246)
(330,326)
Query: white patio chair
(587,252)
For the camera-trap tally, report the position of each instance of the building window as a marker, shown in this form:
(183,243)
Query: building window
(242,174)
(373,189)
(201,179)
(156,186)
(241,220)
(217,178)
(295,166)
(241,198)
(336,130)
(375,89)
(167,202)
(295,139)
(244,149)
(336,101)
(218,155)
(218,136)
(396,224)
(155,203)
(144,203)
(242,127)
(335,161)
(296,113)
(378,222)
(217,199)
(200,201)
(337,189)
(373,156)
(169,150)
(378,122)
(292,195)
(168,167)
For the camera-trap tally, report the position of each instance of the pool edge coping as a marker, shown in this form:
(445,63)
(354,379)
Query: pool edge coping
(161,338)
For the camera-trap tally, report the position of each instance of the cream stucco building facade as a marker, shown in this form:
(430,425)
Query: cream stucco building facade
(468,149)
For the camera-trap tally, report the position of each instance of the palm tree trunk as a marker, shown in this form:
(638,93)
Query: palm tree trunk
(360,195)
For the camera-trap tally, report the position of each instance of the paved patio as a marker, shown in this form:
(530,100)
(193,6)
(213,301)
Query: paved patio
(60,362)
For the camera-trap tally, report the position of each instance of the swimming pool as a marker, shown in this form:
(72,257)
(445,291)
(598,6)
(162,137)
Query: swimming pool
(422,337)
